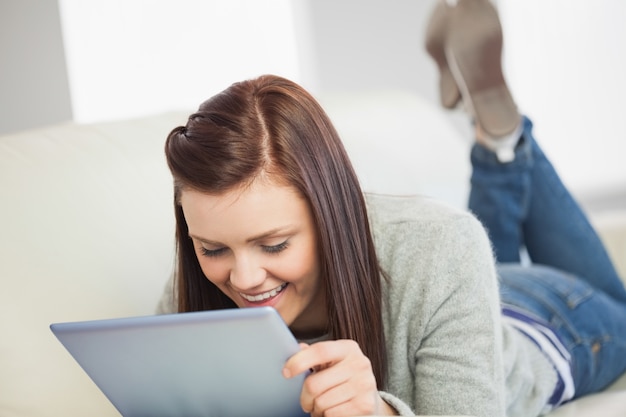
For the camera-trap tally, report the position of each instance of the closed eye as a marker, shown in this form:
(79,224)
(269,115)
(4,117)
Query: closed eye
(212,252)
(276,248)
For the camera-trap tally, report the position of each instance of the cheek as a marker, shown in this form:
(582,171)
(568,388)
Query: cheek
(215,271)
(300,267)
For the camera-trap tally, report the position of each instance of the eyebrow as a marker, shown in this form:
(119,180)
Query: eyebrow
(263,235)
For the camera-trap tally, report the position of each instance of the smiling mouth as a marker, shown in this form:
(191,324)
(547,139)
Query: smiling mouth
(263,296)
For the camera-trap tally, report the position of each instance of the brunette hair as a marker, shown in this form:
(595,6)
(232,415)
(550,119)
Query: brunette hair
(271,126)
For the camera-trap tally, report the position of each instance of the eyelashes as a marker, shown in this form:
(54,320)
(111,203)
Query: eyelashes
(212,252)
(274,249)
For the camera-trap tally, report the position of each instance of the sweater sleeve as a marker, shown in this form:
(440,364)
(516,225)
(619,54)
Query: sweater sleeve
(458,361)
(443,325)
(397,404)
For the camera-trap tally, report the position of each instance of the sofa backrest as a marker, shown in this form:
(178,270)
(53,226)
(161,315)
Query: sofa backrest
(87,227)
(86,232)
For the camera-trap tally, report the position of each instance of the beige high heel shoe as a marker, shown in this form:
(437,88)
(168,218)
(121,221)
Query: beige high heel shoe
(473,51)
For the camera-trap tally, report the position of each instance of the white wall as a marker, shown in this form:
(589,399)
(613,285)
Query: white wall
(128,58)
(565,63)
(33,78)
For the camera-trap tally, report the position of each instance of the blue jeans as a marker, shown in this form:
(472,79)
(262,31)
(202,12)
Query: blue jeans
(570,282)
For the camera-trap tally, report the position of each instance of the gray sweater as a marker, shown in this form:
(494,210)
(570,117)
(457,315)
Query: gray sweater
(448,350)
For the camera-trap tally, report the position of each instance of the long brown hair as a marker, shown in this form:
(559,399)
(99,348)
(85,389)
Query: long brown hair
(272,126)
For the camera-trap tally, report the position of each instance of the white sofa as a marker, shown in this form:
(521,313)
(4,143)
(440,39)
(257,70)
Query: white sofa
(86,232)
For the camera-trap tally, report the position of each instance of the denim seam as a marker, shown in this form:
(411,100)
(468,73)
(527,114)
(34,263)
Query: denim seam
(556,319)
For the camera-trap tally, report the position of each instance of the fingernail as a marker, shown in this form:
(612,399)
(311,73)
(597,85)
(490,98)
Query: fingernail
(286,373)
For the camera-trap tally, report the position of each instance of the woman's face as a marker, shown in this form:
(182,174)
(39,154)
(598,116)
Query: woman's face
(258,246)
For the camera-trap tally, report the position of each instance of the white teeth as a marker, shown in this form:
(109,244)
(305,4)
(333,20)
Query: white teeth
(265,295)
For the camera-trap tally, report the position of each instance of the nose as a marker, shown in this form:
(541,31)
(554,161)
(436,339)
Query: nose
(246,274)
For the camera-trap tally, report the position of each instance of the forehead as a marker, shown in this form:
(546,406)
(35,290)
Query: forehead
(243,211)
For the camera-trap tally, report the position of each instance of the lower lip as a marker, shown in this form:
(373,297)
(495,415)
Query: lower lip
(270,302)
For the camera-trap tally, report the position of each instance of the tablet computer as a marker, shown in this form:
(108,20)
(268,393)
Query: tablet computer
(223,363)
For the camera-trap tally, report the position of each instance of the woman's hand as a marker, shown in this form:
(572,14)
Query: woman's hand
(342,383)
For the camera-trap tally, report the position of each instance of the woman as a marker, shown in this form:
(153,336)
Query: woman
(269,212)
(396,299)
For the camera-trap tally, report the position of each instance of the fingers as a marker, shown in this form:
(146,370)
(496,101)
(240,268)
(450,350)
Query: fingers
(354,396)
(319,356)
(342,383)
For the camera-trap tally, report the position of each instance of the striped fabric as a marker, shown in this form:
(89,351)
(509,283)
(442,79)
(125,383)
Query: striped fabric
(546,339)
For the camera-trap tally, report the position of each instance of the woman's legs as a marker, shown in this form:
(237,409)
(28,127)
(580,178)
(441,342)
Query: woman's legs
(515,190)
(524,204)
(571,283)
